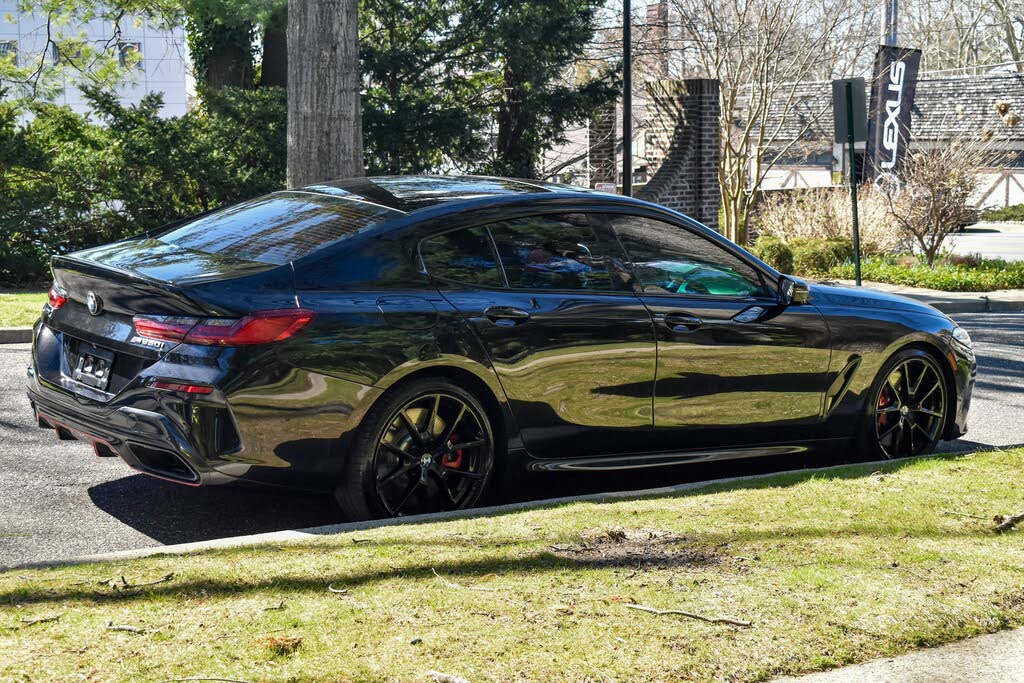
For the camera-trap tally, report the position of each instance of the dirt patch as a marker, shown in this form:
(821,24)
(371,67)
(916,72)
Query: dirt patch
(636,548)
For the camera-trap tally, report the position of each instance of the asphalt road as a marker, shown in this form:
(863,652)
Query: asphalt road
(992,240)
(57,500)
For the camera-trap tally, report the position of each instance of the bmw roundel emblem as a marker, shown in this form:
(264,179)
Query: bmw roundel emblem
(95,303)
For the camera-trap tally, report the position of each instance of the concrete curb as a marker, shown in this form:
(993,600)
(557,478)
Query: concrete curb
(982,304)
(15,335)
(332,529)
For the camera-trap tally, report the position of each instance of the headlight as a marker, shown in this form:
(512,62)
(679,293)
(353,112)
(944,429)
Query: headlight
(961,337)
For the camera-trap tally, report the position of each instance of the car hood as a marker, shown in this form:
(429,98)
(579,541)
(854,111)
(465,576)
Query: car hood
(865,297)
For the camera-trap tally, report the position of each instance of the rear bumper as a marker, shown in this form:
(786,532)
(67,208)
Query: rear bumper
(264,422)
(146,440)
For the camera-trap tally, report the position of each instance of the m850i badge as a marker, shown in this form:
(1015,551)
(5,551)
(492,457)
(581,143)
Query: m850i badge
(153,343)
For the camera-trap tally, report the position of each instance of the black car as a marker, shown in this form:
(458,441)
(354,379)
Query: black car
(408,341)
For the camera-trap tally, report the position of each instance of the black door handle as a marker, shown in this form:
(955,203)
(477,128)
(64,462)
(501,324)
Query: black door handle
(506,315)
(682,322)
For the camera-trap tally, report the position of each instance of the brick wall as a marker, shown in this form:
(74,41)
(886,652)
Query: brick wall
(602,145)
(683,146)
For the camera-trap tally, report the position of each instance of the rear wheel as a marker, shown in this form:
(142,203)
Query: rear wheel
(908,406)
(427,447)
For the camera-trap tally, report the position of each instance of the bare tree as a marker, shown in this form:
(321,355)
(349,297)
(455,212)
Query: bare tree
(760,51)
(932,198)
(325,133)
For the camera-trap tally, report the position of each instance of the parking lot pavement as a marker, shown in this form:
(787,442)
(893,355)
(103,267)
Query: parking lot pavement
(57,500)
(992,240)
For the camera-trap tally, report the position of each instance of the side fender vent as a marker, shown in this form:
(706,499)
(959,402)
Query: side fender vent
(836,392)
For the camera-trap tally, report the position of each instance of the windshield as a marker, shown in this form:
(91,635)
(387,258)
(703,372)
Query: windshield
(279,227)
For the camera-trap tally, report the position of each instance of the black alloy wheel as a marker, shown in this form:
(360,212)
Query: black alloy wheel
(432,449)
(909,406)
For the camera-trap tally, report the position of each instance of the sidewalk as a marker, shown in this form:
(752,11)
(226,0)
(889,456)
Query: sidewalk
(999,301)
(995,657)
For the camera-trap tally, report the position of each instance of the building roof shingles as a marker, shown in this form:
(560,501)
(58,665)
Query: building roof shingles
(944,109)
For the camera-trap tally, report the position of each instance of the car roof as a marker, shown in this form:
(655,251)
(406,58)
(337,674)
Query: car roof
(411,193)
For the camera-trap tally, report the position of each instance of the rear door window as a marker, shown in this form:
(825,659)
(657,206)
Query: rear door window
(561,252)
(464,256)
(279,227)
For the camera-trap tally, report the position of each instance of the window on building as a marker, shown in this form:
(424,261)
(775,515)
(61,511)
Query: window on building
(9,52)
(129,54)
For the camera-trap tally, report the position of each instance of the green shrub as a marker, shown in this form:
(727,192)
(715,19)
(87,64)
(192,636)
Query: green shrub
(815,256)
(67,182)
(984,275)
(774,252)
(1007,213)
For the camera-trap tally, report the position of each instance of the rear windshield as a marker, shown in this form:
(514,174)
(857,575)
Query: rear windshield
(277,228)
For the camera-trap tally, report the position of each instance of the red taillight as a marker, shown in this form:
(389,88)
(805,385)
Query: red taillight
(262,327)
(57,296)
(186,388)
(163,328)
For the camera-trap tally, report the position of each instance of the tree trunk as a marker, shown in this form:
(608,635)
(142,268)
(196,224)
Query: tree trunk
(274,71)
(325,132)
(514,158)
(222,53)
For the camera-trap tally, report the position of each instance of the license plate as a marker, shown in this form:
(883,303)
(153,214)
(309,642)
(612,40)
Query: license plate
(93,366)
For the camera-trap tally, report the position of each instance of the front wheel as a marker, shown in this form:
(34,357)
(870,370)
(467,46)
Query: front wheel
(427,447)
(907,406)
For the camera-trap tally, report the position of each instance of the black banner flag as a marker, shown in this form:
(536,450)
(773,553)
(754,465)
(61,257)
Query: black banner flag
(892,97)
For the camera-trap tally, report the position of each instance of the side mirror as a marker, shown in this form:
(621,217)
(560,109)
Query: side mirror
(792,291)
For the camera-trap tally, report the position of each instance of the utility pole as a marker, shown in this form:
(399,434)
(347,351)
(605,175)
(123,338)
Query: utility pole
(890,18)
(627,98)
(850,127)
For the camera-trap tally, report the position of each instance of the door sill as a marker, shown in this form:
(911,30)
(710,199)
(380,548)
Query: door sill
(635,462)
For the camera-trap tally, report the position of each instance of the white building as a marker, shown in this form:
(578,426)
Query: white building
(162,68)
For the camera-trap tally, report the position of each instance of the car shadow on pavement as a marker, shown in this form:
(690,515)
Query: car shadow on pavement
(170,513)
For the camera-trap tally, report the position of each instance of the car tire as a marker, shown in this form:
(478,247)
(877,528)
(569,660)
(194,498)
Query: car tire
(907,407)
(405,458)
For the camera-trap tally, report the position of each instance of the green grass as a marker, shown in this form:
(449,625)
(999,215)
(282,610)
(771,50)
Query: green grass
(953,274)
(830,568)
(20,309)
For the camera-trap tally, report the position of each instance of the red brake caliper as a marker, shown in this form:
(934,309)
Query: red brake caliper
(883,402)
(453,460)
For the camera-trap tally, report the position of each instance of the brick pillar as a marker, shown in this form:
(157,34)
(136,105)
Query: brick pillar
(683,147)
(602,145)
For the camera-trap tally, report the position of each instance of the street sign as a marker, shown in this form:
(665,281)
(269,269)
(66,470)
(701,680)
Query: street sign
(858,88)
(851,122)
(606,187)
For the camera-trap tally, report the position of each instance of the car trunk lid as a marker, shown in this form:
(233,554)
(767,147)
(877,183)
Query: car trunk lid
(108,286)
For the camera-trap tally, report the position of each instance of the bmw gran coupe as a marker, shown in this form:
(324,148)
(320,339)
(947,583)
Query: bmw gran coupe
(408,342)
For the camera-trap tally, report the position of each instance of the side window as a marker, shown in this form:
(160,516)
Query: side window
(559,252)
(672,260)
(462,256)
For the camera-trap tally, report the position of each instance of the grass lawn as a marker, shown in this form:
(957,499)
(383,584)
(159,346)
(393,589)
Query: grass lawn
(829,568)
(20,309)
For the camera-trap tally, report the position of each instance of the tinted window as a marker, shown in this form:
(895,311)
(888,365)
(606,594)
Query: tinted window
(277,228)
(672,260)
(462,256)
(558,252)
